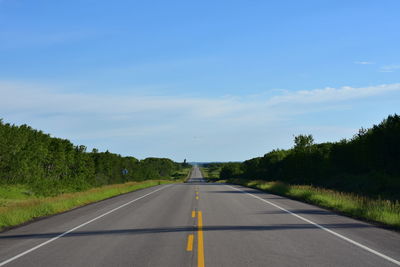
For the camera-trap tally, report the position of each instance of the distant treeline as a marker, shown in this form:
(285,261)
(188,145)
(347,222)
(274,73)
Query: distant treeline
(50,166)
(367,164)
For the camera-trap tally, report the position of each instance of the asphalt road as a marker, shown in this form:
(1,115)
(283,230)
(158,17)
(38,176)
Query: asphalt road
(199,224)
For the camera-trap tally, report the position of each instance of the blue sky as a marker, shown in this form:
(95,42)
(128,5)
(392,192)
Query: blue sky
(204,80)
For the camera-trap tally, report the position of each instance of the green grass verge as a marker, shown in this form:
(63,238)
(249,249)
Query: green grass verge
(182,174)
(384,212)
(210,175)
(18,205)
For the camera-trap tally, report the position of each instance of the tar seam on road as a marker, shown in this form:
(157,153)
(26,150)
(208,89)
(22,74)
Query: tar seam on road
(323,228)
(200,243)
(77,227)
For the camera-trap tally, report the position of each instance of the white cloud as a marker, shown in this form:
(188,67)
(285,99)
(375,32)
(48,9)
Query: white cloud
(167,125)
(330,95)
(389,68)
(364,62)
(28,98)
(20,97)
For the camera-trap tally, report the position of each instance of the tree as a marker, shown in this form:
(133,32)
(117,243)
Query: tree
(303,142)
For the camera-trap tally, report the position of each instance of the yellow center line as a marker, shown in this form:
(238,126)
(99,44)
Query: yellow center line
(190,242)
(200,244)
(193,214)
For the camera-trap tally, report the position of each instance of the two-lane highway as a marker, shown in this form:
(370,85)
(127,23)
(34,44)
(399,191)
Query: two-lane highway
(199,224)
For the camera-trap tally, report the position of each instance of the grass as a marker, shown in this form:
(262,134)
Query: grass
(13,194)
(18,205)
(383,212)
(182,174)
(211,175)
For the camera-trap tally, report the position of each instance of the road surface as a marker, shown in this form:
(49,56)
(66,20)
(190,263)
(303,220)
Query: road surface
(199,224)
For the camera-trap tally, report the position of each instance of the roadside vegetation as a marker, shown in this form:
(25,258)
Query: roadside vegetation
(359,176)
(49,166)
(42,175)
(384,212)
(18,205)
(183,174)
(211,171)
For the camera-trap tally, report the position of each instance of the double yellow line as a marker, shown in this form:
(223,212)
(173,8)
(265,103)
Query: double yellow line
(200,240)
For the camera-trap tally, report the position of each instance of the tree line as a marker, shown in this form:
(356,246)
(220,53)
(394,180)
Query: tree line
(367,164)
(50,166)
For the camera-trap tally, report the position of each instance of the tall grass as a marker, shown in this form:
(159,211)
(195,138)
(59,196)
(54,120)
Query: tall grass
(381,211)
(183,174)
(18,206)
(210,175)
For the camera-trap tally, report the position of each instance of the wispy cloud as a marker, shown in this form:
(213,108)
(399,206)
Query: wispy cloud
(389,68)
(18,39)
(34,99)
(331,95)
(364,62)
(154,125)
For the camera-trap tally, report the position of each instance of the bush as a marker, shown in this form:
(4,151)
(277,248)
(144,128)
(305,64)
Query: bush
(50,166)
(367,164)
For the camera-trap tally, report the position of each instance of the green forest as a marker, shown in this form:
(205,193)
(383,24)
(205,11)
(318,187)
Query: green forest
(367,164)
(50,166)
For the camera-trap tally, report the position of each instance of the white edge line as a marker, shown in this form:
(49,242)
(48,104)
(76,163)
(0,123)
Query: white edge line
(323,228)
(77,227)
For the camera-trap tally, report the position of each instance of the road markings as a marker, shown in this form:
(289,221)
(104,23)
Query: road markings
(323,228)
(189,246)
(79,226)
(200,243)
(193,214)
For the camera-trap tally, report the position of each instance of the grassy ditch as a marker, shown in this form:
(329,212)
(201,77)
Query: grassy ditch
(18,205)
(210,174)
(384,212)
(183,174)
